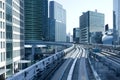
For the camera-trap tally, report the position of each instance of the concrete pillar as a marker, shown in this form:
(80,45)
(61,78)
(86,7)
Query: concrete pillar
(33,52)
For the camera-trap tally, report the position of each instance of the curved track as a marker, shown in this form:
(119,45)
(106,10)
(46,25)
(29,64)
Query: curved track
(112,56)
(74,67)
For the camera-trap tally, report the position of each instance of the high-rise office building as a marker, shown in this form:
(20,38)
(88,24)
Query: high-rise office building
(116,21)
(36,25)
(57,22)
(90,23)
(11,36)
(76,34)
(36,20)
(2,40)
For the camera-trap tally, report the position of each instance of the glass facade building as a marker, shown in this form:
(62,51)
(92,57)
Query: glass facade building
(116,21)
(36,20)
(76,33)
(57,28)
(90,22)
(11,36)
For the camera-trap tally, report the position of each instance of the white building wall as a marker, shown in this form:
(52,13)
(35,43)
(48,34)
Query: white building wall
(16,33)
(16,39)
(17,26)
(2,34)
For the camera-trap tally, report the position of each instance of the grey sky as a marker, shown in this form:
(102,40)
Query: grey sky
(74,9)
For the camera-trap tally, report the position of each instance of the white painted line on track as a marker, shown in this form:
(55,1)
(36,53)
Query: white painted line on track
(72,67)
(71,70)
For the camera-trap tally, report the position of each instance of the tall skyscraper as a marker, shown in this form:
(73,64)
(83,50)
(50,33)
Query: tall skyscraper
(90,23)
(76,34)
(116,21)
(11,36)
(57,22)
(36,20)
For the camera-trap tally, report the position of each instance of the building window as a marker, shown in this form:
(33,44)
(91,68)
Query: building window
(2,57)
(9,50)
(0,4)
(16,21)
(0,14)
(8,13)
(16,13)
(3,6)
(3,35)
(1,45)
(16,6)
(9,31)
(3,25)
(18,1)
(3,15)
(0,24)
(9,2)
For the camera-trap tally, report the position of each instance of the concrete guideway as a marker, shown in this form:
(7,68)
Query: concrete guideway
(67,70)
(105,65)
(71,70)
(70,75)
(82,68)
(61,70)
(69,64)
(58,75)
(34,72)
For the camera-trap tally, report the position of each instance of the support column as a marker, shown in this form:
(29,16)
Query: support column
(33,52)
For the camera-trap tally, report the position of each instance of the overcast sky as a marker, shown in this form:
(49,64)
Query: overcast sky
(74,9)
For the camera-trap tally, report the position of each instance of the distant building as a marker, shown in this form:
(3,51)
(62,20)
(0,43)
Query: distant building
(106,27)
(116,21)
(90,23)
(36,20)
(57,30)
(68,38)
(11,36)
(76,34)
(71,38)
